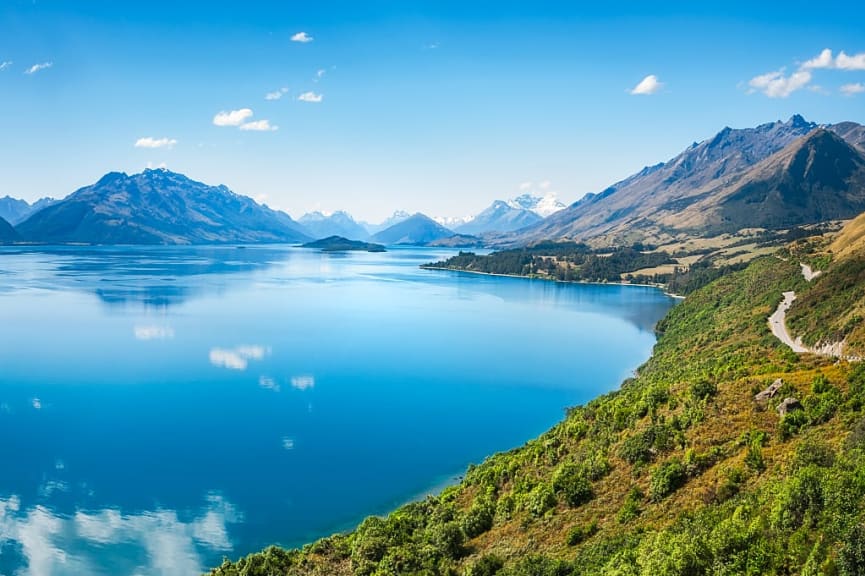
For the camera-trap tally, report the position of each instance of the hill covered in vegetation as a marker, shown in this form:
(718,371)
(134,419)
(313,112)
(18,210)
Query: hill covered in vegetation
(687,469)
(565,261)
(341,244)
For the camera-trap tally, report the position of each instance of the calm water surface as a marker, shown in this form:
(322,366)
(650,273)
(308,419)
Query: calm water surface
(161,408)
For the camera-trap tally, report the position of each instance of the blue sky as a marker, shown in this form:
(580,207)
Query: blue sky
(438,107)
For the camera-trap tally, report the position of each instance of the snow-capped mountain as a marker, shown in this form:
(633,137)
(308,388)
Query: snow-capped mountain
(395,218)
(453,222)
(543,206)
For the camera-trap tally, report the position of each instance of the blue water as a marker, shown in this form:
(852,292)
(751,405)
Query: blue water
(161,408)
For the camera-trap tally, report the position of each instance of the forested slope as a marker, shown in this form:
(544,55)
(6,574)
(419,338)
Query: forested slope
(682,471)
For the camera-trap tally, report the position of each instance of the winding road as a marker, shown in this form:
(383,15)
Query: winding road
(778,326)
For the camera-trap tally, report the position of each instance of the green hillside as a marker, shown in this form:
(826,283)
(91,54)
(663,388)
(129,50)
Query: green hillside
(681,471)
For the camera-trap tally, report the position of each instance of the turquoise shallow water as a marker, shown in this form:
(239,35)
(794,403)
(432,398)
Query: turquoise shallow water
(161,408)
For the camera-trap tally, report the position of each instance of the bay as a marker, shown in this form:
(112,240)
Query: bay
(164,407)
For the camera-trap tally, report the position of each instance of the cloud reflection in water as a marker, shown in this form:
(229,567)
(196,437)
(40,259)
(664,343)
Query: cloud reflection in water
(237,358)
(303,382)
(111,542)
(153,332)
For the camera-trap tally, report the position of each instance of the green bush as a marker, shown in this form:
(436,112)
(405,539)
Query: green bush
(631,508)
(540,500)
(642,446)
(821,406)
(479,518)
(539,566)
(703,389)
(851,557)
(580,533)
(666,479)
(792,423)
(571,484)
(488,565)
(449,539)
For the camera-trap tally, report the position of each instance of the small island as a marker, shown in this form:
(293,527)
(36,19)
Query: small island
(340,244)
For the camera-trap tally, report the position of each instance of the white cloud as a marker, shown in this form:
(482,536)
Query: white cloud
(276,94)
(149,142)
(855,62)
(310,97)
(319,74)
(303,382)
(37,404)
(842,62)
(38,67)
(259,126)
(302,37)
(5,64)
(851,89)
(648,85)
(824,60)
(526,186)
(777,85)
(153,332)
(232,118)
(288,443)
(237,358)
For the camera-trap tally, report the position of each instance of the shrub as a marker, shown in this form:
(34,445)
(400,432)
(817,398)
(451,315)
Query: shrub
(851,558)
(792,423)
(540,499)
(631,508)
(449,539)
(479,518)
(580,533)
(703,389)
(667,478)
(570,482)
(734,478)
(539,566)
(642,446)
(488,565)
(821,406)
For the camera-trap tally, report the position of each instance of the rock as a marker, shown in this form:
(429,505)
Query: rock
(770,391)
(787,405)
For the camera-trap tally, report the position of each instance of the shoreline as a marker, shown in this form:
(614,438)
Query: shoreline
(556,280)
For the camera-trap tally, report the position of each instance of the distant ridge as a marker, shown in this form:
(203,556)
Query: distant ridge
(501,216)
(7,232)
(158,207)
(16,211)
(319,225)
(417,229)
(395,218)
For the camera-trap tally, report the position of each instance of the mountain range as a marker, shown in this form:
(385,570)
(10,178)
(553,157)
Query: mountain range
(501,216)
(773,176)
(158,207)
(15,211)
(319,225)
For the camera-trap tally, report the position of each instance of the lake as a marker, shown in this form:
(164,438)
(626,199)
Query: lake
(164,407)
